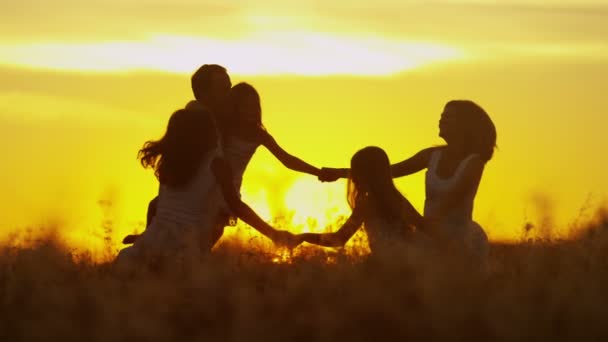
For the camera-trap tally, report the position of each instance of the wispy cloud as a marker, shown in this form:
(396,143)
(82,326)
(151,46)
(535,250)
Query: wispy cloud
(299,53)
(446,20)
(307,37)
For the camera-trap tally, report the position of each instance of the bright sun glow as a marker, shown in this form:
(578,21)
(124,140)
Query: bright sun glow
(315,208)
(299,53)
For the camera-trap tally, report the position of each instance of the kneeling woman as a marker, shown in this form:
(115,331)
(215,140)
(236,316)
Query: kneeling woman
(386,215)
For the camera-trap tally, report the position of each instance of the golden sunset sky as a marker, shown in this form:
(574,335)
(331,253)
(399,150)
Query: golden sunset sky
(83,84)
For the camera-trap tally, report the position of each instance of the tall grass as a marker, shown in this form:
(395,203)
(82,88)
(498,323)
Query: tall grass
(535,290)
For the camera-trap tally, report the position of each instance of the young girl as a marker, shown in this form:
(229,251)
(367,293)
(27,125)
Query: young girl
(194,181)
(386,215)
(243,132)
(453,175)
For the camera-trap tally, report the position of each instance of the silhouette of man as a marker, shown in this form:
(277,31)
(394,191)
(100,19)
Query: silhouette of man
(211,87)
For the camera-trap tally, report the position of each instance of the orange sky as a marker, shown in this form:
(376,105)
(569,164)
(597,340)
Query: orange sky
(82,86)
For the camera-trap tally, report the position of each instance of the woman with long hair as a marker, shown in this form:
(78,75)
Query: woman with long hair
(454,172)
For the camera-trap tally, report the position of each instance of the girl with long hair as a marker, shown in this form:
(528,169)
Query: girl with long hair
(386,215)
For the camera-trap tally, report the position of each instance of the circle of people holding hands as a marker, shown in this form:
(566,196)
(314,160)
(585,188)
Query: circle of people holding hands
(200,160)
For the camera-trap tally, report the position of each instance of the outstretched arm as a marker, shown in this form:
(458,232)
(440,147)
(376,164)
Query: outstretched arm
(339,238)
(290,161)
(414,164)
(407,167)
(330,174)
(221,171)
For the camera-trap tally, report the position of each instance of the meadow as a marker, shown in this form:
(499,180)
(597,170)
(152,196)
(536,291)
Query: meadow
(537,289)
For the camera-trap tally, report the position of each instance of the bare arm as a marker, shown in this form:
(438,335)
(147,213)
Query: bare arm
(290,161)
(329,174)
(221,171)
(409,166)
(412,165)
(339,238)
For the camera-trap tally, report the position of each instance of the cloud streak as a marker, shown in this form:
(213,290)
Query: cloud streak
(295,53)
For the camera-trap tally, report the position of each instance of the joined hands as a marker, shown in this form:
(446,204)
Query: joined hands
(284,238)
(328,174)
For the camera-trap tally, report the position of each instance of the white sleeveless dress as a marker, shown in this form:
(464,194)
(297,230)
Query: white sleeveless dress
(184,219)
(457,225)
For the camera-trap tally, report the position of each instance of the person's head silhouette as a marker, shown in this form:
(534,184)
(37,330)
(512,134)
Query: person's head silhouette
(211,85)
(371,180)
(370,169)
(466,124)
(245,105)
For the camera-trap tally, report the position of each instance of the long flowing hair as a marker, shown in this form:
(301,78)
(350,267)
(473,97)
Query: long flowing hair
(189,137)
(371,183)
(478,129)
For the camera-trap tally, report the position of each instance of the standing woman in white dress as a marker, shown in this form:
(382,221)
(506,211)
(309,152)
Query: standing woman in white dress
(195,182)
(453,175)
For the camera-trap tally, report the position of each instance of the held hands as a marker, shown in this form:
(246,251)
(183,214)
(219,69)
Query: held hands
(286,239)
(328,174)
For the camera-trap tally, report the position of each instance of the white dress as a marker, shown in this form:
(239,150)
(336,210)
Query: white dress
(457,224)
(184,219)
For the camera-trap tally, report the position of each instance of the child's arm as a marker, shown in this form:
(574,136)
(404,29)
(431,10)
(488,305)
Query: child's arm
(290,161)
(339,238)
(222,173)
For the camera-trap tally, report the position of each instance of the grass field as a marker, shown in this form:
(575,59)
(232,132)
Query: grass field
(536,290)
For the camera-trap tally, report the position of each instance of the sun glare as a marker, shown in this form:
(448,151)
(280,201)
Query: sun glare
(314,208)
(275,53)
